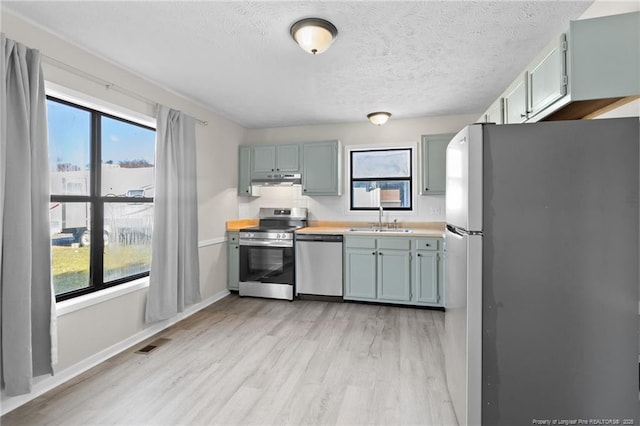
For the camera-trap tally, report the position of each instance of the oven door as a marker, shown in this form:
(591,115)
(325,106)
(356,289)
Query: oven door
(266,264)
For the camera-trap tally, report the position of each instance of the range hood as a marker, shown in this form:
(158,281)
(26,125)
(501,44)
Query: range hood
(279,179)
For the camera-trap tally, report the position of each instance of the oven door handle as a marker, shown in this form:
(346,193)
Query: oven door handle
(266,243)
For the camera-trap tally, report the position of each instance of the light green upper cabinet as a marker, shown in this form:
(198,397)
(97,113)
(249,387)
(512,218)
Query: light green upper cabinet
(547,77)
(321,168)
(318,162)
(288,158)
(594,64)
(275,158)
(264,159)
(495,113)
(244,170)
(433,160)
(515,101)
(604,57)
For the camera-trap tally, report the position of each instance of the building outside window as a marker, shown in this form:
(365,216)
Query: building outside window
(381,178)
(101,213)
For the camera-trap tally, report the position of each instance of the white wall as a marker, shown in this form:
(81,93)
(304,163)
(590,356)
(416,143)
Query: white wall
(94,329)
(362,134)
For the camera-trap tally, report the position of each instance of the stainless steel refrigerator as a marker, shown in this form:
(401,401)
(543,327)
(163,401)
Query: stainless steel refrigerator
(542,273)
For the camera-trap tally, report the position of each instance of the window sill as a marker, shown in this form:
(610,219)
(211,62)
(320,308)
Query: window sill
(81,302)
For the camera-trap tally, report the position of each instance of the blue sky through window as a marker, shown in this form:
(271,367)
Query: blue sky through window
(69,138)
(122,141)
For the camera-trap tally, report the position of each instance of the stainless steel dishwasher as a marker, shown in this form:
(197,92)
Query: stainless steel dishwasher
(318,264)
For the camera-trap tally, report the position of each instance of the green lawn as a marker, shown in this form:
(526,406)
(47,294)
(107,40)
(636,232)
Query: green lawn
(71,265)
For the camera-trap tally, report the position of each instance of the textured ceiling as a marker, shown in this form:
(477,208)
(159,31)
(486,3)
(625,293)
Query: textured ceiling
(412,58)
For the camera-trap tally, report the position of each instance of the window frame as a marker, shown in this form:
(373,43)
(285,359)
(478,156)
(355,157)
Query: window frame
(408,179)
(96,202)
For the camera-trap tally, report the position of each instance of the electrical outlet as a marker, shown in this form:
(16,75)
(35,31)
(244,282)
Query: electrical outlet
(436,211)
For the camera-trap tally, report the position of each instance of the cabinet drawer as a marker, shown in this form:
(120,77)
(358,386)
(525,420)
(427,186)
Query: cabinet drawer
(360,242)
(394,243)
(427,244)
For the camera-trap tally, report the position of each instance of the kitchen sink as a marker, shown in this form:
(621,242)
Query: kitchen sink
(382,230)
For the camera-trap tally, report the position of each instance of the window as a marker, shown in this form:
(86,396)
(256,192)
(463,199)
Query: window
(101,212)
(381,178)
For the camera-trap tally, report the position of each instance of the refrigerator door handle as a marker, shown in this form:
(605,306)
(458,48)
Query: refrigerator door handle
(454,230)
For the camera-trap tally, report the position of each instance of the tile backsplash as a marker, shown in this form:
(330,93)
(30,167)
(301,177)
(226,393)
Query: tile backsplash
(426,208)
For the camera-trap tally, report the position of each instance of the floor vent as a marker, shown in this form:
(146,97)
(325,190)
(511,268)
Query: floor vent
(152,346)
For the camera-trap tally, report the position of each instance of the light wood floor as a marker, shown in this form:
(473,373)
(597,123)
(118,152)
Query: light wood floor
(267,362)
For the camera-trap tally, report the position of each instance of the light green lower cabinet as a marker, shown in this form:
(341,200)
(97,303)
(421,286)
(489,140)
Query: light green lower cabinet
(394,271)
(400,270)
(427,277)
(233,261)
(360,272)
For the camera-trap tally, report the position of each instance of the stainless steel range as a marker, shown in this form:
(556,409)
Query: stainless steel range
(267,253)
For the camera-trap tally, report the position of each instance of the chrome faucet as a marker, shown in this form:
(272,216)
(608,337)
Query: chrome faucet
(380,211)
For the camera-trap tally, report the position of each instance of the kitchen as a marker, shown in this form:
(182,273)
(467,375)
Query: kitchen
(217,188)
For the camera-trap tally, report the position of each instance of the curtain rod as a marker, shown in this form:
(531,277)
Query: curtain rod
(107,84)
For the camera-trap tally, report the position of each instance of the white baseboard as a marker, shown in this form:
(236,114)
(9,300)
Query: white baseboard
(44,384)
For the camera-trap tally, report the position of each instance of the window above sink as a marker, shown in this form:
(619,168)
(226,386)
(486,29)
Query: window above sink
(381,178)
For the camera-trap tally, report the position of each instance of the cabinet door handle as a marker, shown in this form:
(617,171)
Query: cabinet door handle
(428,245)
(426,189)
(272,170)
(523,115)
(278,169)
(380,253)
(419,255)
(304,190)
(373,253)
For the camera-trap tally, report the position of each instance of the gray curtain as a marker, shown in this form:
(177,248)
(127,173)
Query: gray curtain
(26,307)
(175,273)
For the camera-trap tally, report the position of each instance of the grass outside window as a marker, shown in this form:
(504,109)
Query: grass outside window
(71,264)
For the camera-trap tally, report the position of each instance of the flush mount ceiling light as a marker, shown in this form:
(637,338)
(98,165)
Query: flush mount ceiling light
(314,35)
(379,118)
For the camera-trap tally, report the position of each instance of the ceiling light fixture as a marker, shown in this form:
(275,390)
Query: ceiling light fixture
(379,118)
(314,35)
